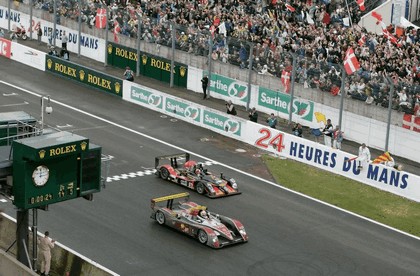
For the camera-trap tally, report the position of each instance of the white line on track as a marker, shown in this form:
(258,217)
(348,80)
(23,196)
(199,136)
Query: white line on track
(201,156)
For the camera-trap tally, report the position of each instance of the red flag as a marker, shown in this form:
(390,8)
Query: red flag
(351,64)
(377,16)
(212,30)
(285,80)
(290,8)
(361,4)
(390,37)
(411,122)
(362,40)
(100,19)
(117,30)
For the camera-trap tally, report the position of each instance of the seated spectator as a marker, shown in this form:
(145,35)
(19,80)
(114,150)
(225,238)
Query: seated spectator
(298,131)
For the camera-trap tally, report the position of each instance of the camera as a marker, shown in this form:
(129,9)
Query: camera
(48,110)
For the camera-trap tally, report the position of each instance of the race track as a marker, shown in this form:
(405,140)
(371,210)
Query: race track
(289,233)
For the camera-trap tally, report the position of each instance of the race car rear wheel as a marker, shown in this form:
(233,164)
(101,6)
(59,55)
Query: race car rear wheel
(199,187)
(160,217)
(164,173)
(202,237)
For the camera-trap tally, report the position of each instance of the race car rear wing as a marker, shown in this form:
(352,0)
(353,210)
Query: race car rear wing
(169,199)
(173,158)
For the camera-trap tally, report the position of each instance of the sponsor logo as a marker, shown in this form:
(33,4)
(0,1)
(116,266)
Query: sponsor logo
(5,47)
(146,97)
(183,109)
(221,122)
(228,87)
(280,102)
(31,53)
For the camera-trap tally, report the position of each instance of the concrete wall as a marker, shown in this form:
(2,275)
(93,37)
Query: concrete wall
(63,259)
(231,71)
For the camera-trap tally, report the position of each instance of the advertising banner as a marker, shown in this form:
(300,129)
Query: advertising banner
(186,110)
(5,47)
(217,121)
(332,160)
(146,98)
(90,46)
(235,90)
(28,56)
(84,75)
(277,102)
(150,66)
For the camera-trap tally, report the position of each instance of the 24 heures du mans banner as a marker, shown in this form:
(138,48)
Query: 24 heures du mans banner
(84,75)
(150,66)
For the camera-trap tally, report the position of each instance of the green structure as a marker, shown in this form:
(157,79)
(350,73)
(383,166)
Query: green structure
(85,75)
(150,66)
(54,167)
(15,124)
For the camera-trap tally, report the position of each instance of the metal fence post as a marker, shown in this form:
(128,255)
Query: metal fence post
(79,27)
(172,55)
(343,80)
(292,86)
(139,18)
(8,12)
(210,60)
(55,22)
(106,35)
(388,125)
(31,3)
(251,61)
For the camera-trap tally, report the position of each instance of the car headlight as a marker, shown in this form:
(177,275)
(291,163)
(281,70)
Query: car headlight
(214,239)
(234,185)
(243,232)
(232,180)
(210,187)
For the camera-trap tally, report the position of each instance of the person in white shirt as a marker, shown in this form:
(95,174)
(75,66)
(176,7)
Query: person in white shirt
(45,245)
(364,156)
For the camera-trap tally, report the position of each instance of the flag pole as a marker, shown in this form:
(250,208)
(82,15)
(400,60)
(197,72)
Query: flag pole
(348,11)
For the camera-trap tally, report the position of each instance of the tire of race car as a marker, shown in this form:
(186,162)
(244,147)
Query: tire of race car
(160,217)
(202,236)
(164,173)
(200,188)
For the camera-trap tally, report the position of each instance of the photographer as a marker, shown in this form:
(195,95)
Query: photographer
(297,130)
(230,108)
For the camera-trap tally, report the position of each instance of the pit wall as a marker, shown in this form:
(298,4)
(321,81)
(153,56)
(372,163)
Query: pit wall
(64,260)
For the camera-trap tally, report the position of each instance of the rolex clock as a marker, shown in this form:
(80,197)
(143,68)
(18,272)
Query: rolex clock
(40,175)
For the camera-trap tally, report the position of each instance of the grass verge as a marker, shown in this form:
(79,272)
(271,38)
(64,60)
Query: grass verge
(381,206)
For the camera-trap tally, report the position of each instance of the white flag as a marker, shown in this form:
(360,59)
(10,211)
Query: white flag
(346,21)
(222,29)
(309,19)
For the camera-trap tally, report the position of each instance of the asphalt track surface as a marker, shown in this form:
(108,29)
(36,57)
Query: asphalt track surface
(289,234)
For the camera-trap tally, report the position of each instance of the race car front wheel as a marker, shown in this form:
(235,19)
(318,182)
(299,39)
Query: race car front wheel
(164,173)
(199,187)
(202,237)
(160,217)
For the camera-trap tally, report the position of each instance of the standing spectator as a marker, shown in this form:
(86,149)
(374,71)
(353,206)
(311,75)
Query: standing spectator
(328,133)
(272,121)
(1,32)
(230,108)
(64,41)
(297,130)
(39,33)
(338,138)
(364,156)
(50,37)
(205,84)
(128,74)
(45,245)
(253,115)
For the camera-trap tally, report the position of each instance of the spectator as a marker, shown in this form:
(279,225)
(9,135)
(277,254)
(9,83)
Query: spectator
(128,74)
(45,245)
(204,85)
(272,121)
(363,157)
(64,41)
(297,130)
(230,108)
(39,33)
(338,138)
(328,133)
(253,115)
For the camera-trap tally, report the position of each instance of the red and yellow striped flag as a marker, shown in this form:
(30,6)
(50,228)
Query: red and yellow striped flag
(382,158)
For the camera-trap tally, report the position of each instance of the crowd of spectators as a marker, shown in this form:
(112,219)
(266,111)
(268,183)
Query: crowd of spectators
(318,32)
